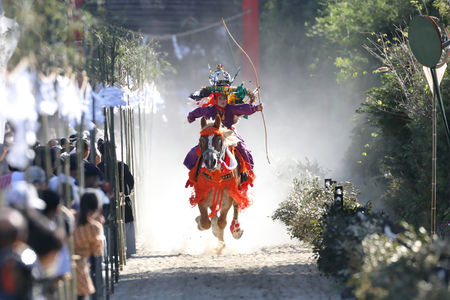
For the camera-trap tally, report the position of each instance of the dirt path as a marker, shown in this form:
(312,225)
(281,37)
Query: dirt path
(281,272)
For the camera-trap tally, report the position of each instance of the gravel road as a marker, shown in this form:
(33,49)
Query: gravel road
(277,272)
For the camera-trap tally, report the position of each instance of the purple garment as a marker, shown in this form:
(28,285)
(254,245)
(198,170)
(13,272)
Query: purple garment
(191,158)
(210,112)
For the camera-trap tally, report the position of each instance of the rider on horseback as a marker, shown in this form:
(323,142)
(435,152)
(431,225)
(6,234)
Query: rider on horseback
(227,102)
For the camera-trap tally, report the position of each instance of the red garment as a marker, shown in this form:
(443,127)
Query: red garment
(216,181)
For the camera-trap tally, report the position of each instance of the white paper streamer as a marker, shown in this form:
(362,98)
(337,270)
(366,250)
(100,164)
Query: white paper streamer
(20,109)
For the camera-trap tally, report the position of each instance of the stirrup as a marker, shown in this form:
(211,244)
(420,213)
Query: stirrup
(235,229)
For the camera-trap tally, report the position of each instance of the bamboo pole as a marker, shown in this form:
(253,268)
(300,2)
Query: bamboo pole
(121,171)
(107,224)
(79,152)
(93,151)
(47,158)
(117,221)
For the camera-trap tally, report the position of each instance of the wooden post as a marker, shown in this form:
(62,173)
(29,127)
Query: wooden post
(250,37)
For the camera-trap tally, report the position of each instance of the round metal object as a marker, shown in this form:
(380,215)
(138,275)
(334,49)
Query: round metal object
(425,41)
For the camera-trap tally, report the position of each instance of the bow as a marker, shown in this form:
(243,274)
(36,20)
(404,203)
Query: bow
(257,83)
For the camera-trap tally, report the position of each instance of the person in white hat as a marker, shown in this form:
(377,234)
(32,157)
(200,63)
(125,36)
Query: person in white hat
(22,195)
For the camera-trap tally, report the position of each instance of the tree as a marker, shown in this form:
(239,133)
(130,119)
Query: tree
(392,147)
(345,25)
(49,31)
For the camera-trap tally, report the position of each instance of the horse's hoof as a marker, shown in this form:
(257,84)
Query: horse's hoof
(199,226)
(215,227)
(236,230)
(220,246)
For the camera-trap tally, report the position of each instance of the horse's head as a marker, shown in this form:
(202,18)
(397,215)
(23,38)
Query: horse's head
(211,143)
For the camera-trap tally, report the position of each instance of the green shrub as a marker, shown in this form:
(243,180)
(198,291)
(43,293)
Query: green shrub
(339,250)
(303,207)
(403,267)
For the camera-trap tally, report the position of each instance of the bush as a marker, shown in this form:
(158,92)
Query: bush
(305,205)
(302,209)
(339,250)
(407,266)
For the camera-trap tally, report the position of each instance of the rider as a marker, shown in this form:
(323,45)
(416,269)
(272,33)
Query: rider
(221,96)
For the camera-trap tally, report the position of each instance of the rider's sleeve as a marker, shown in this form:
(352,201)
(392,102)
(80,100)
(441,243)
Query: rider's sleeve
(197,113)
(243,109)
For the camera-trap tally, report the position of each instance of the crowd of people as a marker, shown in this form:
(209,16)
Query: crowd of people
(45,210)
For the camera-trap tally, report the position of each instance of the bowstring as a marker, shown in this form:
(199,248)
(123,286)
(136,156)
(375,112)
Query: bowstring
(257,83)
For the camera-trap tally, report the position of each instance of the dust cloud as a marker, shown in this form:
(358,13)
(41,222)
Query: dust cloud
(312,120)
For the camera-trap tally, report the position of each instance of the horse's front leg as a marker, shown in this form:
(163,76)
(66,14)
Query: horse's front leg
(221,222)
(203,220)
(235,227)
(235,210)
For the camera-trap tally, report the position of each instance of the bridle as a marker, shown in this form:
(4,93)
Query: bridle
(210,132)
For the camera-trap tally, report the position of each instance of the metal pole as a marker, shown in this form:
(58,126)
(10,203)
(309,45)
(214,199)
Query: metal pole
(433,159)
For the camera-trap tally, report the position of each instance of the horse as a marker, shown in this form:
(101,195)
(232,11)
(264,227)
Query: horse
(216,180)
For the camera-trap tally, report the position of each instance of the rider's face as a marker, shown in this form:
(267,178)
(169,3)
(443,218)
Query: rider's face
(221,100)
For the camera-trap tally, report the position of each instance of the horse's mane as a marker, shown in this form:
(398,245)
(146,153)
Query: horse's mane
(229,138)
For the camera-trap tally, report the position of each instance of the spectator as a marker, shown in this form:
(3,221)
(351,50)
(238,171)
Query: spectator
(126,186)
(16,174)
(55,211)
(4,149)
(17,261)
(23,196)
(5,180)
(58,183)
(84,145)
(43,154)
(36,145)
(73,138)
(36,176)
(59,214)
(87,239)
(53,143)
(45,239)
(65,145)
